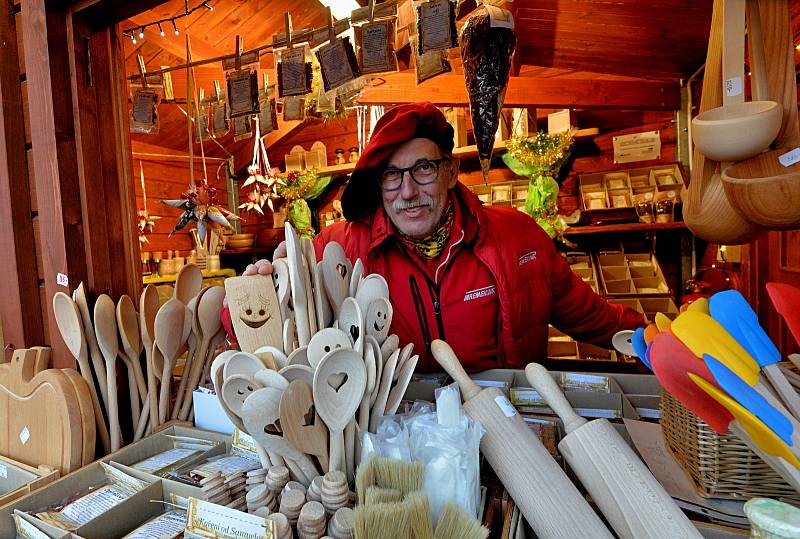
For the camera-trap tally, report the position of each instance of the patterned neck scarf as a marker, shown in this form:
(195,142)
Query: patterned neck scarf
(432,245)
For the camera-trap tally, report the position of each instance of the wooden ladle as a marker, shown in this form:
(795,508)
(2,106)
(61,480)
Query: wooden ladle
(105,323)
(337,405)
(68,318)
(309,435)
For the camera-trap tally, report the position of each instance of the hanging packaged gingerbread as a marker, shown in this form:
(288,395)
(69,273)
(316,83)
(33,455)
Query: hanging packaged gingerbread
(375,43)
(436,25)
(294,71)
(268,111)
(337,59)
(430,64)
(241,74)
(487,48)
(218,111)
(203,133)
(146,94)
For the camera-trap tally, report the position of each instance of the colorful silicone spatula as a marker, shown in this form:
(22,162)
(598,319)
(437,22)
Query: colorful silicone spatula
(671,360)
(732,311)
(699,305)
(640,347)
(766,440)
(750,399)
(662,322)
(650,332)
(786,299)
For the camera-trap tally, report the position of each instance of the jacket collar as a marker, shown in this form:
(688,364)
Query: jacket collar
(471,210)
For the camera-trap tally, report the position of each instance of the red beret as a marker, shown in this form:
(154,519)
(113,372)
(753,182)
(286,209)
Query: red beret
(362,194)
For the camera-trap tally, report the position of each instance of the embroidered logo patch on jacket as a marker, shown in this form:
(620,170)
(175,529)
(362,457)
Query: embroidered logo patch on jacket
(527,257)
(480,293)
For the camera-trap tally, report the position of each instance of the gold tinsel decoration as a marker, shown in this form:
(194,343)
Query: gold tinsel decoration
(541,151)
(294,185)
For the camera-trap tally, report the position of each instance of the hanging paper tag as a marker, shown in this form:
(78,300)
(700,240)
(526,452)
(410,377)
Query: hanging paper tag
(293,76)
(338,63)
(436,25)
(733,86)
(790,158)
(210,521)
(499,17)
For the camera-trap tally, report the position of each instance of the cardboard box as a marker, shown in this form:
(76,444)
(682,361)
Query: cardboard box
(18,479)
(208,413)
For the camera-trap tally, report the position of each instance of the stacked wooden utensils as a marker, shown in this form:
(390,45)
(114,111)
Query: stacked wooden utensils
(317,362)
(190,320)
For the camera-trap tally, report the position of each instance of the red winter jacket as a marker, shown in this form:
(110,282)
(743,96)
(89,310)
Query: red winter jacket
(490,295)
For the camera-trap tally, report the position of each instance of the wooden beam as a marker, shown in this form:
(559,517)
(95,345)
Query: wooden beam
(20,310)
(175,44)
(54,162)
(449,90)
(243,157)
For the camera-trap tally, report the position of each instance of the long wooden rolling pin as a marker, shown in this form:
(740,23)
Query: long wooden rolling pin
(550,502)
(633,501)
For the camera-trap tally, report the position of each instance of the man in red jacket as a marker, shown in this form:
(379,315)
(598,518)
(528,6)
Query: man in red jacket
(488,280)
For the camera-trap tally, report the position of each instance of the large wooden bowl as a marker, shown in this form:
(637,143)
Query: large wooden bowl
(737,131)
(765,192)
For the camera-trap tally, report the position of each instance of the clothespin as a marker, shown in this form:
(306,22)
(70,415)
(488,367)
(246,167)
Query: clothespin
(331,30)
(239,50)
(370,10)
(142,71)
(288,26)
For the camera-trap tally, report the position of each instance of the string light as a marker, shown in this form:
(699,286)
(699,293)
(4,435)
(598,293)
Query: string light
(131,33)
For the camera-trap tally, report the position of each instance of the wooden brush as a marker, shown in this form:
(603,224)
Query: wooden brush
(420,515)
(382,521)
(382,495)
(454,523)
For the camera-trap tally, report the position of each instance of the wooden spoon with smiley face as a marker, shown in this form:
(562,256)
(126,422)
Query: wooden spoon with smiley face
(235,390)
(324,342)
(378,319)
(255,311)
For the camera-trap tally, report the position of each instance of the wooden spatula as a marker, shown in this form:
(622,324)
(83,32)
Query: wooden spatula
(105,323)
(255,312)
(385,386)
(336,273)
(301,424)
(68,318)
(403,379)
(297,281)
(337,405)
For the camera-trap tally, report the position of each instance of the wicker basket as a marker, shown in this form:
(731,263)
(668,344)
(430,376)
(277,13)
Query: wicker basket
(720,466)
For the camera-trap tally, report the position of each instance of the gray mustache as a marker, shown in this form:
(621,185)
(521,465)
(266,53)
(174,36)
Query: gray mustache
(400,204)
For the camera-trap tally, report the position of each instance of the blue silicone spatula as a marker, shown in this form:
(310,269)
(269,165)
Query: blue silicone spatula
(732,311)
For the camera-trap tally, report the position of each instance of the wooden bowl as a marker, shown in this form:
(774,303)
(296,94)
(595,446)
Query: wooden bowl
(737,131)
(241,237)
(765,192)
(240,243)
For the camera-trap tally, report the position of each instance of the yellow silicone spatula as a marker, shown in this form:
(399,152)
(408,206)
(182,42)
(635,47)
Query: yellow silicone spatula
(700,305)
(704,335)
(752,427)
(662,322)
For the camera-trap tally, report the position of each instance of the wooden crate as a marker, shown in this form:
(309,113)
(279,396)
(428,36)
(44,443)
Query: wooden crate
(18,479)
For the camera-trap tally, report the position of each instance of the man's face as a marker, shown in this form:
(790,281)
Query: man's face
(416,209)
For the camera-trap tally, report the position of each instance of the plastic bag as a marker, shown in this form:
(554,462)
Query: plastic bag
(391,440)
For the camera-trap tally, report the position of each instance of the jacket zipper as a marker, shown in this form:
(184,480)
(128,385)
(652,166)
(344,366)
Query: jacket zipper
(437,308)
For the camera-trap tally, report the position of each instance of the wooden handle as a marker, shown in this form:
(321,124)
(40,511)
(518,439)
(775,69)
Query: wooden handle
(755,46)
(544,384)
(113,412)
(733,50)
(152,384)
(336,459)
(350,449)
(445,357)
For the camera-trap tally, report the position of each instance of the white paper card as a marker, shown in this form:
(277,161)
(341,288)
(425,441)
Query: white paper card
(499,17)
(24,435)
(208,520)
(162,460)
(790,158)
(166,526)
(733,86)
(507,408)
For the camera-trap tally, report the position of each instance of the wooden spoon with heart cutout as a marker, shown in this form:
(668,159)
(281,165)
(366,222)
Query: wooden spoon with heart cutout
(301,424)
(351,320)
(68,318)
(336,406)
(105,323)
(336,273)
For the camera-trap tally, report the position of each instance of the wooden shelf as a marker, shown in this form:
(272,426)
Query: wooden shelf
(249,250)
(623,227)
(464,152)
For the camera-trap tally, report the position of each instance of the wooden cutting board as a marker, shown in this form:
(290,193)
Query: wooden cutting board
(40,414)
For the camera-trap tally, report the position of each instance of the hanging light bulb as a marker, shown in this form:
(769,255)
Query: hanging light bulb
(141,33)
(160,30)
(175,27)
(133,38)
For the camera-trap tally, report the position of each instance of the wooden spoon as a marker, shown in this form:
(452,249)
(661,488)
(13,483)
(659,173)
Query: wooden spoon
(391,344)
(372,382)
(289,336)
(280,358)
(260,413)
(105,323)
(310,261)
(298,372)
(324,342)
(405,355)
(321,304)
(193,342)
(295,259)
(300,423)
(188,283)
(209,323)
(351,320)
(271,378)
(236,389)
(372,287)
(336,406)
(148,307)
(378,318)
(68,318)
(131,338)
(242,363)
(378,355)
(356,278)
(336,273)
(216,378)
(397,392)
(299,357)
(280,277)
(383,391)
(170,321)
(98,362)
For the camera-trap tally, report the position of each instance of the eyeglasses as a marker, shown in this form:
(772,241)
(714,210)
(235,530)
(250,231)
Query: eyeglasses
(423,172)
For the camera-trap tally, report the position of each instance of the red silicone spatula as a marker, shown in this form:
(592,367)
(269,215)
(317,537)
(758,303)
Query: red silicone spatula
(671,361)
(786,299)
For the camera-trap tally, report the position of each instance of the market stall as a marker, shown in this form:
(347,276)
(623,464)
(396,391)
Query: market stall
(400,269)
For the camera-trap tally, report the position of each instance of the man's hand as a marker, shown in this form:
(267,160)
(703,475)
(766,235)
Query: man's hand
(264,266)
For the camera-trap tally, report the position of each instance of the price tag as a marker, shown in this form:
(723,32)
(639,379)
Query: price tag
(24,435)
(209,521)
(62,280)
(790,158)
(733,86)
(507,408)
